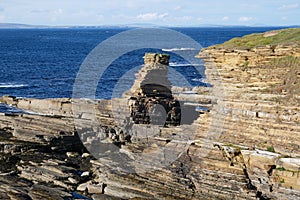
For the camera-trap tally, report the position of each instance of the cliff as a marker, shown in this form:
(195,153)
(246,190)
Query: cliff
(260,77)
(244,145)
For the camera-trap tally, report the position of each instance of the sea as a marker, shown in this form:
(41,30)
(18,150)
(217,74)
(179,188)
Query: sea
(44,63)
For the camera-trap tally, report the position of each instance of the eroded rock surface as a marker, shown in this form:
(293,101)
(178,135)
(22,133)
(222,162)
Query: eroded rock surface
(244,146)
(260,111)
(151,98)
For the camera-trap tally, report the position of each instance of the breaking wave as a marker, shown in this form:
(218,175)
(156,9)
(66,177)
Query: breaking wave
(202,80)
(175,64)
(9,85)
(179,49)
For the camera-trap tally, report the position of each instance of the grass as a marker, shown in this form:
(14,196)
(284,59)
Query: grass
(245,65)
(283,37)
(271,149)
(280,169)
(291,82)
(287,61)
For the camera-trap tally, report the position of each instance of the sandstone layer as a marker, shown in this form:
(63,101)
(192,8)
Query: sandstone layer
(243,145)
(260,111)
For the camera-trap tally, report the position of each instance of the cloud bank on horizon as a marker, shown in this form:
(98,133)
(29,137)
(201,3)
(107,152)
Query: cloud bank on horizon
(159,12)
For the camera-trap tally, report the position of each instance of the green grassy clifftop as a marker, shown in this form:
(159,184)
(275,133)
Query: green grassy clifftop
(289,36)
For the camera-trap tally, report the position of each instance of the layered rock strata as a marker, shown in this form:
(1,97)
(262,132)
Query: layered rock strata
(246,147)
(151,99)
(260,112)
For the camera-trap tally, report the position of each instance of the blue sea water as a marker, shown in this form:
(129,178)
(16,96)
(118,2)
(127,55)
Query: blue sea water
(43,63)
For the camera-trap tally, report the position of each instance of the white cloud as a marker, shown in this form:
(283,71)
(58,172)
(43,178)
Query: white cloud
(186,18)
(100,17)
(284,18)
(288,7)
(2,17)
(225,18)
(55,14)
(40,11)
(58,11)
(162,12)
(159,1)
(245,19)
(83,14)
(151,16)
(178,8)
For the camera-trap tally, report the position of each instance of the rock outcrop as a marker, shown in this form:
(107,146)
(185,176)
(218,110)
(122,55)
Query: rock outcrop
(243,145)
(151,98)
(261,112)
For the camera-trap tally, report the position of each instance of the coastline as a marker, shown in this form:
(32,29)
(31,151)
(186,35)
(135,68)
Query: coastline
(257,149)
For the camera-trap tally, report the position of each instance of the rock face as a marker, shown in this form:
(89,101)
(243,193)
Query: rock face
(35,165)
(261,111)
(245,145)
(151,97)
(256,96)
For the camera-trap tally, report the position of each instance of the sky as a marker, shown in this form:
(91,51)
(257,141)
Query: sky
(158,12)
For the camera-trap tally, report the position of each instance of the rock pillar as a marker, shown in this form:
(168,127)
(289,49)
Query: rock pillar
(150,98)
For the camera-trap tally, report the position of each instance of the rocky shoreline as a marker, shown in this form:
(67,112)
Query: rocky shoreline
(245,145)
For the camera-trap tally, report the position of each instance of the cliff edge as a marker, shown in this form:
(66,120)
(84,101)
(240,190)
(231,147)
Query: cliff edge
(260,74)
(244,145)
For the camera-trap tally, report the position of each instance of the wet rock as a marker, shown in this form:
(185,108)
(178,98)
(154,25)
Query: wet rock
(104,197)
(38,191)
(85,174)
(85,155)
(72,154)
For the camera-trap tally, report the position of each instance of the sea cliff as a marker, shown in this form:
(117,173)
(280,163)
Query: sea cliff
(259,75)
(244,145)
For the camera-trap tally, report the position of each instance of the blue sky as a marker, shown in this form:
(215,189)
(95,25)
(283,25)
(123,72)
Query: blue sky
(160,12)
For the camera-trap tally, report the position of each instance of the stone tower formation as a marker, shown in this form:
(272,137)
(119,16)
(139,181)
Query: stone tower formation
(150,98)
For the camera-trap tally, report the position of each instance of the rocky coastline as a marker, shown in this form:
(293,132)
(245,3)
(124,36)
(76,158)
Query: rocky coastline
(244,145)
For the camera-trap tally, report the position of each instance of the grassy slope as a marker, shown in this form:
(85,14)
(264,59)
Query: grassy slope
(291,80)
(281,37)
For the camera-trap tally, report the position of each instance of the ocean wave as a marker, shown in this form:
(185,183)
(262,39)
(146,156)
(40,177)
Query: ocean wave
(202,80)
(189,92)
(179,49)
(9,109)
(9,85)
(197,79)
(175,64)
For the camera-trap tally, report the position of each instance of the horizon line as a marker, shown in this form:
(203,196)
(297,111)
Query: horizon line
(7,25)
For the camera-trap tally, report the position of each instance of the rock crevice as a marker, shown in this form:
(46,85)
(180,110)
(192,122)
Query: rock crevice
(76,148)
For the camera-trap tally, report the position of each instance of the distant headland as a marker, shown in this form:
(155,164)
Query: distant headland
(133,25)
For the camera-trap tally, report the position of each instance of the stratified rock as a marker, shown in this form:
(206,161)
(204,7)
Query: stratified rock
(245,145)
(45,192)
(258,112)
(151,99)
